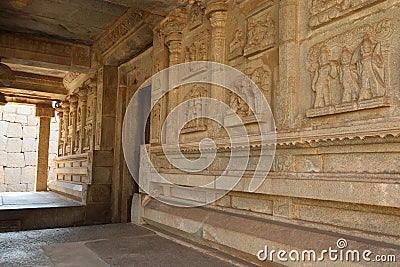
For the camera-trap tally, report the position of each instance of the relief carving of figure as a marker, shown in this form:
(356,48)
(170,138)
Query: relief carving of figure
(202,51)
(195,107)
(239,105)
(260,32)
(196,14)
(324,74)
(237,41)
(348,77)
(369,60)
(156,120)
(262,78)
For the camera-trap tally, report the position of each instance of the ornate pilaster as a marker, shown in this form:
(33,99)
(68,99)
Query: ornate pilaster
(217,13)
(288,64)
(65,130)
(73,122)
(82,96)
(60,114)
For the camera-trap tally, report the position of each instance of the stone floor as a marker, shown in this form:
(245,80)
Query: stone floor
(103,245)
(29,200)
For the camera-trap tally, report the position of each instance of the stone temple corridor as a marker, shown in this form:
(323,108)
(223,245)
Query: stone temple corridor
(199,133)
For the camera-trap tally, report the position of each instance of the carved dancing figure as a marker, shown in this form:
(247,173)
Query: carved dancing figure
(348,78)
(321,84)
(369,60)
(237,42)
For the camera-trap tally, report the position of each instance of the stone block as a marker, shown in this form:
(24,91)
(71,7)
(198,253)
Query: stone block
(10,108)
(53,147)
(12,175)
(1,175)
(29,131)
(29,145)
(3,158)
(15,160)
(54,126)
(252,204)
(21,119)
(28,175)
(54,136)
(25,110)
(9,117)
(30,187)
(14,130)
(3,188)
(3,143)
(33,121)
(14,145)
(30,158)
(3,127)
(17,188)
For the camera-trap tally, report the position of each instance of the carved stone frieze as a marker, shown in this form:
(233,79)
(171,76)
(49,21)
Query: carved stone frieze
(325,11)
(130,20)
(261,33)
(236,45)
(195,109)
(196,14)
(349,71)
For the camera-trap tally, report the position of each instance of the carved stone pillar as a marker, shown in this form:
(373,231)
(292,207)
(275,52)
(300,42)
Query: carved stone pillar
(73,120)
(174,44)
(83,106)
(217,13)
(64,127)
(60,114)
(45,114)
(288,64)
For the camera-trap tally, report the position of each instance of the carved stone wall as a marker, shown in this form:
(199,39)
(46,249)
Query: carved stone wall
(329,70)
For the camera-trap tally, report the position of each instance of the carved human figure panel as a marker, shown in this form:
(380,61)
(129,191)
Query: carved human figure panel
(195,107)
(196,14)
(321,84)
(324,11)
(242,104)
(237,42)
(261,33)
(349,77)
(369,60)
(356,70)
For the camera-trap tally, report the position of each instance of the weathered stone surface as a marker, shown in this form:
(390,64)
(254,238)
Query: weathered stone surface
(14,145)
(21,119)
(25,110)
(29,145)
(3,127)
(3,143)
(12,176)
(14,130)
(15,160)
(29,132)
(3,158)
(1,175)
(30,158)
(28,175)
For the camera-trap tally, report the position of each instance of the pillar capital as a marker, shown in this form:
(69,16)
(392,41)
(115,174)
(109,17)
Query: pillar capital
(217,12)
(44,111)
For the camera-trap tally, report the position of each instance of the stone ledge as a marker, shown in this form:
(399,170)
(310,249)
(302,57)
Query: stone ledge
(72,190)
(249,234)
(350,107)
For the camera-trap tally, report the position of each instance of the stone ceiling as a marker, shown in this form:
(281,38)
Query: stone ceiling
(30,28)
(79,21)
